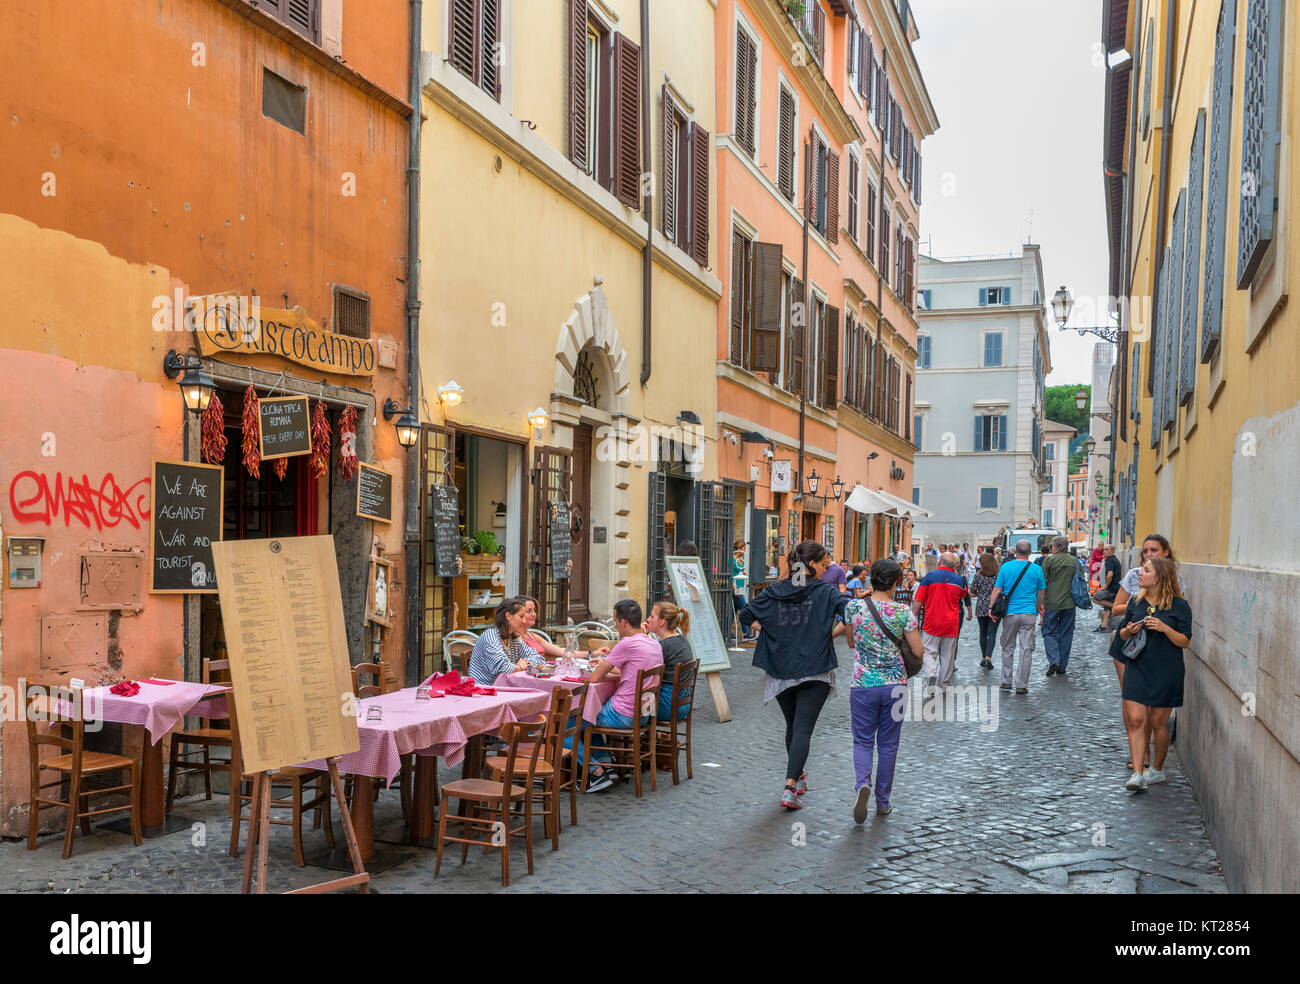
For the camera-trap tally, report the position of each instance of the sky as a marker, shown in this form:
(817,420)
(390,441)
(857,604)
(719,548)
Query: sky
(1018,86)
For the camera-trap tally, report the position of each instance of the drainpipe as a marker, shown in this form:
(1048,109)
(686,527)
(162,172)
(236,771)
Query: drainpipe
(647,202)
(413,594)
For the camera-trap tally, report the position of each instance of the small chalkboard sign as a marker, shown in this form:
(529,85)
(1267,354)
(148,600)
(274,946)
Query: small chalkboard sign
(184,522)
(444,513)
(375,493)
(285,426)
(561,540)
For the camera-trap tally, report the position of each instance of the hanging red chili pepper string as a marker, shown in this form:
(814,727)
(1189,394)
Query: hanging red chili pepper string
(252,451)
(281,466)
(213,430)
(320,442)
(348,444)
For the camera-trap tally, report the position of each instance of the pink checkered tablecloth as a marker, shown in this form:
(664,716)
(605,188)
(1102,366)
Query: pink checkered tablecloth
(594,701)
(158,708)
(441,726)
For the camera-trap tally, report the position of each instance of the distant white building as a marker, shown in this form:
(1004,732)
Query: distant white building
(1056,465)
(1103,362)
(983,354)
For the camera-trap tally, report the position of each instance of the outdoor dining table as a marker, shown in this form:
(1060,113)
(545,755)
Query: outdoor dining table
(448,727)
(592,703)
(157,708)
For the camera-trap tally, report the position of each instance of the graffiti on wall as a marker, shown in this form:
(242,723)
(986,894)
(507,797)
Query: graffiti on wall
(37,498)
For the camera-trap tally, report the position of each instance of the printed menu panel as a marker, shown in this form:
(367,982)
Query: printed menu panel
(283,613)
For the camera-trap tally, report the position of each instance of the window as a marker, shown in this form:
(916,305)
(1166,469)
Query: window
(685,189)
(991,432)
(1047,517)
(756,308)
(351,312)
(1051,481)
(605,106)
(992,348)
(851,56)
(284,102)
(1049,451)
(853,197)
(869,240)
(472,42)
(814,29)
(746,96)
(798,322)
(918,429)
(301,15)
(916,495)
(785,144)
(927,300)
(994,295)
(825,177)
(885,232)
(989,498)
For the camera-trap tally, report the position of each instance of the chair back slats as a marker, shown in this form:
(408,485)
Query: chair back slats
(524,737)
(683,692)
(362,689)
(647,690)
(459,651)
(48,710)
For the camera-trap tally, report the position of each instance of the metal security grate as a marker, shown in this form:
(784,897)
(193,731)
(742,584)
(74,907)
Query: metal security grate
(351,312)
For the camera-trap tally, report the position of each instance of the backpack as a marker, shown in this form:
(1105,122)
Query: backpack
(1079,587)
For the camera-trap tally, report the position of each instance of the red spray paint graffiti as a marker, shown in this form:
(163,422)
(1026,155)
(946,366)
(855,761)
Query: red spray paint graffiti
(33,499)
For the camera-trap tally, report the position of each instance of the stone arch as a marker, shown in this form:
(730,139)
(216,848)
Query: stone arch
(590,323)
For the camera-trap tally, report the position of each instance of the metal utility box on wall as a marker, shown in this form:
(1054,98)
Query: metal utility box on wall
(25,561)
(112,580)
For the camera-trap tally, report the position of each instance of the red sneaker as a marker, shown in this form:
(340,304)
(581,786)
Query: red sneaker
(790,799)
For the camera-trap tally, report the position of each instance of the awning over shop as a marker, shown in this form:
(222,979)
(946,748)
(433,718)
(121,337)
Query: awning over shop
(901,506)
(869,503)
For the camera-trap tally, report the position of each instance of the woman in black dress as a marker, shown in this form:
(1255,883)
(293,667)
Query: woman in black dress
(1153,682)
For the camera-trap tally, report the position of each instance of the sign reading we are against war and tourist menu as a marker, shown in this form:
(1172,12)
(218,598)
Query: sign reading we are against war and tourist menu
(374,493)
(184,522)
(284,426)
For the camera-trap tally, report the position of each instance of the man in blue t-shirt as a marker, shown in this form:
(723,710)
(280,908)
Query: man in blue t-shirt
(1024,605)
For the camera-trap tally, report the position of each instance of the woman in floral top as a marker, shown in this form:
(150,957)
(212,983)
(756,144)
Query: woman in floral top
(981,587)
(879,693)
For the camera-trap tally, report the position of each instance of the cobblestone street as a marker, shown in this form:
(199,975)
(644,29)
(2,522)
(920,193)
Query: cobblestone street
(1016,809)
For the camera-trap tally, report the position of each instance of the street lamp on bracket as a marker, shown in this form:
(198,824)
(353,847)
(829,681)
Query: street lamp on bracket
(1062,303)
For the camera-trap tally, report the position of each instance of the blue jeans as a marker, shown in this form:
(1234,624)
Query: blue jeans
(666,704)
(608,718)
(568,742)
(1058,635)
(877,716)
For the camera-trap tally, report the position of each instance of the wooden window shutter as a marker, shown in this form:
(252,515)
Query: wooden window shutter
(1260,134)
(865,67)
(668,168)
(1192,265)
(916,180)
(577,81)
(907,408)
(884,243)
(303,16)
(831,366)
(798,331)
(819,31)
(1216,205)
(869,240)
(849,353)
(739,259)
(746,69)
(852,198)
(864,369)
(489,32)
(461,46)
(785,152)
(767,307)
(909,291)
(627,121)
(832,196)
(699,217)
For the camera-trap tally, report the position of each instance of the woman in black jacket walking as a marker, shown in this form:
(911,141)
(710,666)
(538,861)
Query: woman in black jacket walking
(800,616)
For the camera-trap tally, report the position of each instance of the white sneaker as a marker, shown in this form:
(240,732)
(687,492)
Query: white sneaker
(1136,782)
(1152,775)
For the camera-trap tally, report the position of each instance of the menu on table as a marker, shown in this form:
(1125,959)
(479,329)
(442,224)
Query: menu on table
(283,614)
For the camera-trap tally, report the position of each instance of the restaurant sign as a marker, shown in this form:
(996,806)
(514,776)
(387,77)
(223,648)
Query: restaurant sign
(227,324)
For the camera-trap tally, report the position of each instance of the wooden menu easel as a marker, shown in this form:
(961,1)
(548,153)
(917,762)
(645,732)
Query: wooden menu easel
(259,826)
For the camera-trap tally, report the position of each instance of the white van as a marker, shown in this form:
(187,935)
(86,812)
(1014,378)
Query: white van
(1040,540)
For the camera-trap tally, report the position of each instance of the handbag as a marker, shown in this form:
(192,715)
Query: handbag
(911,663)
(999,608)
(1079,588)
(1132,649)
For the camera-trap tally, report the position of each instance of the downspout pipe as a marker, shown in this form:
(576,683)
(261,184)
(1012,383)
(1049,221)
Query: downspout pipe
(413,469)
(647,200)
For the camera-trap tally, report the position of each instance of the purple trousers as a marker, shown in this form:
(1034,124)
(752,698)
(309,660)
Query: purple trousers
(877,716)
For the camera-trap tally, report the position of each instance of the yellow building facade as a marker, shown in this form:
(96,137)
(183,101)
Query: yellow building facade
(561,364)
(1201,182)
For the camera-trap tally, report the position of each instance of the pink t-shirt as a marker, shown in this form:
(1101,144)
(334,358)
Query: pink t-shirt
(632,653)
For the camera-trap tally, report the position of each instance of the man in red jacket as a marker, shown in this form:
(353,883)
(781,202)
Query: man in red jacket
(941,593)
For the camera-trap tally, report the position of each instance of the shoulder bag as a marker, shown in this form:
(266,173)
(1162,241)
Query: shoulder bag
(999,608)
(1132,648)
(912,664)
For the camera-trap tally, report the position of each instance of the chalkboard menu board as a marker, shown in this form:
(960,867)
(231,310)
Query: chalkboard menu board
(285,426)
(375,493)
(444,514)
(561,540)
(691,591)
(184,522)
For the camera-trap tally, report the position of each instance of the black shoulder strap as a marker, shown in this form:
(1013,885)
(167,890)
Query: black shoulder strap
(883,627)
(1023,571)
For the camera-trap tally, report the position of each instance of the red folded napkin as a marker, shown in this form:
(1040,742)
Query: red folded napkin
(125,689)
(442,682)
(159,683)
(575,679)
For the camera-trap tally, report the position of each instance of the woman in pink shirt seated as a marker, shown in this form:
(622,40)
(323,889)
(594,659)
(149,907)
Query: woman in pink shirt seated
(634,651)
(544,650)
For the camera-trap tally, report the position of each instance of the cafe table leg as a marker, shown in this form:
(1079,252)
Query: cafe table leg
(363,815)
(422,802)
(473,767)
(152,803)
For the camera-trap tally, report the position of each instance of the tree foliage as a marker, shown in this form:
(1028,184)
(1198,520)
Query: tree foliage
(1058,405)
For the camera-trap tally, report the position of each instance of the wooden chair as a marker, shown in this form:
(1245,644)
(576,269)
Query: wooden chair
(539,634)
(291,781)
(361,689)
(589,640)
(592,625)
(452,637)
(672,741)
(459,651)
(492,803)
(632,749)
(60,710)
(573,769)
(549,765)
(216,734)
